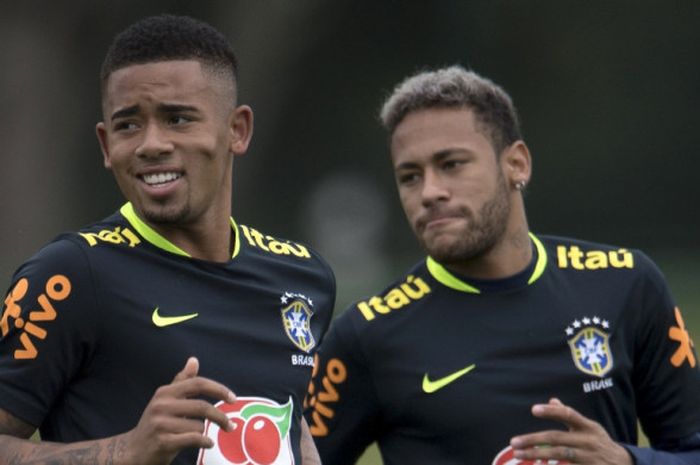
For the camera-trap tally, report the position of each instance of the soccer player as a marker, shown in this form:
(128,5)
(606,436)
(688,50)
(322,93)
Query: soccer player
(167,332)
(502,346)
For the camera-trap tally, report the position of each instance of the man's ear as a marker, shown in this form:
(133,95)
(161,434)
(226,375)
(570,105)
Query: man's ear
(241,129)
(101,131)
(516,164)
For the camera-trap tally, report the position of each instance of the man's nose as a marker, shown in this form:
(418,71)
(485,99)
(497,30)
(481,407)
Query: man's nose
(154,143)
(434,188)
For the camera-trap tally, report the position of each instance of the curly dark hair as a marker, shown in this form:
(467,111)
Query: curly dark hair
(168,37)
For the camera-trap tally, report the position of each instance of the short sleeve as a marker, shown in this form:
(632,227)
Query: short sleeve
(666,375)
(341,408)
(46,330)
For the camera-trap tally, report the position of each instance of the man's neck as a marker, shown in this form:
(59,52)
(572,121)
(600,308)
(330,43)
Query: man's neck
(511,255)
(212,242)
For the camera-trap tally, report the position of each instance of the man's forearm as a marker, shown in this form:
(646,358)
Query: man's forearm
(685,451)
(309,453)
(109,451)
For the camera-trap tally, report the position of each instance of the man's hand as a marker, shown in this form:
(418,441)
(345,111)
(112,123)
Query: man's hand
(586,442)
(174,419)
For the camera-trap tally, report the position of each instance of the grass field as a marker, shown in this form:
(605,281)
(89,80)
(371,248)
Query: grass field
(683,275)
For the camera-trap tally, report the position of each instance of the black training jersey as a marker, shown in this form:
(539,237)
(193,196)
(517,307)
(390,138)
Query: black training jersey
(99,319)
(442,370)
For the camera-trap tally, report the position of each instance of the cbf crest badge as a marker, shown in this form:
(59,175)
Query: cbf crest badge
(296,318)
(589,341)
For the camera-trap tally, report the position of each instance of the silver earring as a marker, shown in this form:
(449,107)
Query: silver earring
(520,185)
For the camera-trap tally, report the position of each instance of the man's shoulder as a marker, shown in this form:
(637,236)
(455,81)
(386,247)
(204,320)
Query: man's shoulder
(286,264)
(114,230)
(566,253)
(272,248)
(64,258)
(67,245)
(404,293)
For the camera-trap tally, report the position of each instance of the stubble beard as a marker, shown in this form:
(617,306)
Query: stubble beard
(483,231)
(167,215)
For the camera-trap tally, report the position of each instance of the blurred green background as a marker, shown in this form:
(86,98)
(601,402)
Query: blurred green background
(607,92)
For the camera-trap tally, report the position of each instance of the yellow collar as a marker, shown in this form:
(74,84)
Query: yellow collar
(443,276)
(149,234)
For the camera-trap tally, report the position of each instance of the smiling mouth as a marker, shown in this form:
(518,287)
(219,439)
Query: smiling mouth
(157,179)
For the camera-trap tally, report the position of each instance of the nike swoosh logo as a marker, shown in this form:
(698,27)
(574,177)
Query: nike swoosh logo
(162,321)
(431,386)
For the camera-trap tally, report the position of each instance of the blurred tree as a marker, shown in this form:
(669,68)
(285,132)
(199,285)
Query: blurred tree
(607,96)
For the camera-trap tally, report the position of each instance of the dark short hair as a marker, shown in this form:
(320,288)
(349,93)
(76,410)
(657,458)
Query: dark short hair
(455,87)
(168,37)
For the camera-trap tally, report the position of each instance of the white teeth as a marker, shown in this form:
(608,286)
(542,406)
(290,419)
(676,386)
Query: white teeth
(160,178)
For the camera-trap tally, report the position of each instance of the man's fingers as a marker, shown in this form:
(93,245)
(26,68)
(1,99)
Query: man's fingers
(557,411)
(178,425)
(187,384)
(177,408)
(182,398)
(189,371)
(198,387)
(194,408)
(543,439)
(179,441)
(586,441)
(546,453)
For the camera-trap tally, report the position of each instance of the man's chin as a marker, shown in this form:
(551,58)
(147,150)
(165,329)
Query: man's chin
(451,251)
(164,215)
(445,257)
(443,251)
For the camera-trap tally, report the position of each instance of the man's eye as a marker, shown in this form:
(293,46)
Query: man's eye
(450,164)
(125,126)
(407,178)
(179,119)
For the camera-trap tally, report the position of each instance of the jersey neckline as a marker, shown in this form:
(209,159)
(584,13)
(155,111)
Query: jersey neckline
(154,238)
(528,276)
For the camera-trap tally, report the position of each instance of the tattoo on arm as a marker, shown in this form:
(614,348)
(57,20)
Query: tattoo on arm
(81,456)
(15,449)
(101,452)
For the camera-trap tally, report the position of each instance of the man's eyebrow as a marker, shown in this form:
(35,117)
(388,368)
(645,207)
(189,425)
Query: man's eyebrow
(407,165)
(442,154)
(125,112)
(162,108)
(435,157)
(176,108)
